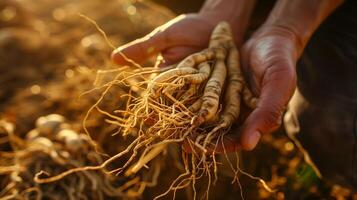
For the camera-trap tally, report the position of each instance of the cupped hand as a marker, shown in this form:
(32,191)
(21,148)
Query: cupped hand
(175,40)
(268,59)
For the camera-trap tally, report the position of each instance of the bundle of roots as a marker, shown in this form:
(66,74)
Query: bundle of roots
(195,101)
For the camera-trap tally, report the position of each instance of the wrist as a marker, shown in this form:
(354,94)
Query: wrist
(300,18)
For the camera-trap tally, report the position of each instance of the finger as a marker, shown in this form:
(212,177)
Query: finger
(277,87)
(176,54)
(141,49)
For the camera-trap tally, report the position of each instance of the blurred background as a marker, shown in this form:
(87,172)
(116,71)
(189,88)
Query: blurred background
(49,55)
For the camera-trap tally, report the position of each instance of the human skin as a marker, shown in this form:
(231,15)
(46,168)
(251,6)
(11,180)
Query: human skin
(268,58)
(187,34)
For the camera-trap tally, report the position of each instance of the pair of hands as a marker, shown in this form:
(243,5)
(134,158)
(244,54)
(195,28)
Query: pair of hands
(268,59)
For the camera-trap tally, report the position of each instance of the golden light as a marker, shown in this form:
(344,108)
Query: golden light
(8,13)
(35,89)
(69,73)
(289,146)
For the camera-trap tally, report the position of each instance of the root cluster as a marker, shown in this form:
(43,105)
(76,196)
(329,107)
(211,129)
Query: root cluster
(195,101)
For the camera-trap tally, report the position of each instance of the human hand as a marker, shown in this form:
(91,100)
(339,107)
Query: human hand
(175,40)
(178,38)
(187,34)
(268,59)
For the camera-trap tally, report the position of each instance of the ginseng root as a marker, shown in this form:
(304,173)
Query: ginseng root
(197,100)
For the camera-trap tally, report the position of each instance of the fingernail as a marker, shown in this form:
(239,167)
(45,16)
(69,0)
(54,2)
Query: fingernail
(253,140)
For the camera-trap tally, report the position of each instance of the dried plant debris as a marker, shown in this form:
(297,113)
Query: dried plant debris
(51,148)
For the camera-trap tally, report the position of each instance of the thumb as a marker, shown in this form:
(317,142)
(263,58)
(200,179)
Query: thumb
(277,87)
(141,49)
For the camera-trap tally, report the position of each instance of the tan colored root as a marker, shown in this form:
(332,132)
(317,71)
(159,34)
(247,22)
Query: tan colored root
(221,36)
(212,92)
(249,99)
(204,70)
(173,73)
(264,184)
(233,91)
(145,159)
(220,40)
(172,106)
(189,95)
(102,32)
(169,75)
(197,58)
